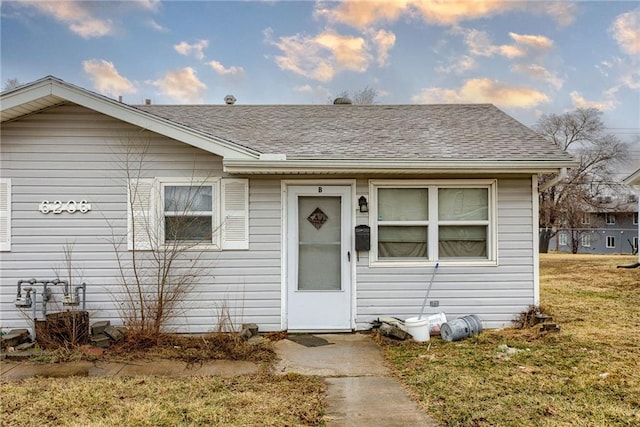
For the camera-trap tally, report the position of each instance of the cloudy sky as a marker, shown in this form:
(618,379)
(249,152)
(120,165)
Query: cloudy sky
(528,58)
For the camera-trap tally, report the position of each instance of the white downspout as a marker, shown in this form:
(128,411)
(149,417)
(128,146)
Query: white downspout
(561,176)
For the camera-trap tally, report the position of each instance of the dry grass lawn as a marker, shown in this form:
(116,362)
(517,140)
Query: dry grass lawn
(252,400)
(588,374)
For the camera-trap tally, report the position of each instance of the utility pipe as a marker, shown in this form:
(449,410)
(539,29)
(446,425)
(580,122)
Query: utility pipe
(29,290)
(84,295)
(20,282)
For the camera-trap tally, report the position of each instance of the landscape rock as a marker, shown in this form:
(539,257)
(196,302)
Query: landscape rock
(15,337)
(114,333)
(99,327)
(100,340)
(252,327)
(393,332)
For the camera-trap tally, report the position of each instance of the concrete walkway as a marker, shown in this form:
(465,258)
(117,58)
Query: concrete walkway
(360,391)
(168,368)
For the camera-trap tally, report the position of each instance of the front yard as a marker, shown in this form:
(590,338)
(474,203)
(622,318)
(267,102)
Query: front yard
(587,374)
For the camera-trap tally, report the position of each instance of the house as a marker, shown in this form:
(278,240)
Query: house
(609,228)
(308,217)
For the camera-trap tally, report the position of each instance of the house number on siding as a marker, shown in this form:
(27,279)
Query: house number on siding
(58,207)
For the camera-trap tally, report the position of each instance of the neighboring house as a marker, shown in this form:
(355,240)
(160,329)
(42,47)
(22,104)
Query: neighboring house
(283,190)
(633,180)
(612,228)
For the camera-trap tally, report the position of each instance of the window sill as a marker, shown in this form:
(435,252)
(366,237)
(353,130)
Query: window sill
(191,247)
(452,263)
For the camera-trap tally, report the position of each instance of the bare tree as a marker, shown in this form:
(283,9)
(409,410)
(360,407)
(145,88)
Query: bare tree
(11,84)
(366,96)
(581,133)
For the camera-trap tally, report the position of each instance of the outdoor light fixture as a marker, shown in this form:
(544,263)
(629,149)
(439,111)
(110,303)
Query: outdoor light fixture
(362,203)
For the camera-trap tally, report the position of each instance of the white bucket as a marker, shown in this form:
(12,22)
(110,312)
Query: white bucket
(418,328)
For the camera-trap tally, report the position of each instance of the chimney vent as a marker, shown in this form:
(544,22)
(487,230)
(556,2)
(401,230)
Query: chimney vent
(147,101)
(342,101)
(229,99)
(120,98)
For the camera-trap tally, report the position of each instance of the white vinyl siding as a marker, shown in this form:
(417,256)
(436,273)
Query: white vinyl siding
(494,292)
(5,214)
(72,153)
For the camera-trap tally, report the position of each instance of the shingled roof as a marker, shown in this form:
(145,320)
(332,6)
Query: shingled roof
(323,139)
(430,132)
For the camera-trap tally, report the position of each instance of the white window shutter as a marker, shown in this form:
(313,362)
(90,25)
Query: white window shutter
(235,213)
(141,212)
(5,214)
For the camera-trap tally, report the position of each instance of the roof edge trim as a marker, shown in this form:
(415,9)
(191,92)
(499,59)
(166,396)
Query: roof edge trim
(233,166)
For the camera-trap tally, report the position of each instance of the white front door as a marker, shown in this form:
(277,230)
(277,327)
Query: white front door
(319,258)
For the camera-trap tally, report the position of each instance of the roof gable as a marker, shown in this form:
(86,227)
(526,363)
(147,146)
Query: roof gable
(50,91)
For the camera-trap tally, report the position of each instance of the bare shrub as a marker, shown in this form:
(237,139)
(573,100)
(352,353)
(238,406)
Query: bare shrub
(157,279)
(530,317)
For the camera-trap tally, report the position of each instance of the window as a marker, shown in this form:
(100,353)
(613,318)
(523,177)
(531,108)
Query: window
(562,239)
(585,240)
(5,214)
(586,218)
(635,218)
(610,219)
(433,220)
(188,213)
(211,212)
(611,242)
(635,243)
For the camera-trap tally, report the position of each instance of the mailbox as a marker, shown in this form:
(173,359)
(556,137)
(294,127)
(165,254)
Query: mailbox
(363,238)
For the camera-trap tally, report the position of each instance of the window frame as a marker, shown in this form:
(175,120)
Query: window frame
(433,223)
(585,240)
(563,239)
(585,218)
(610,239)
(635,218)
(216,195)
(610,219)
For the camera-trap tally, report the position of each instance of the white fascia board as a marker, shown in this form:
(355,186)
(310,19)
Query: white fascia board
(28,94)
(633,179)
(65,92)
(233,166)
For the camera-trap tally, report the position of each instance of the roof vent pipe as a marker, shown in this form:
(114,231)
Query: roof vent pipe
(229,99)
(342,101)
